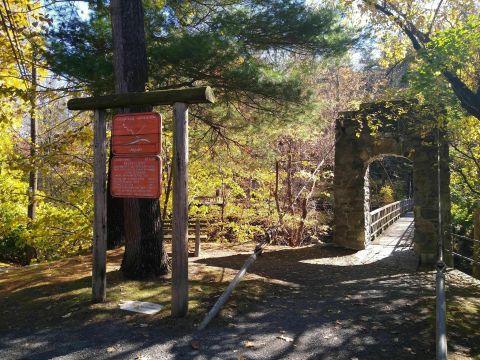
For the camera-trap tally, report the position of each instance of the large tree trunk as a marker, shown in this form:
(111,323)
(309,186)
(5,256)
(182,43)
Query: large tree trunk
(145,254)
(115,237)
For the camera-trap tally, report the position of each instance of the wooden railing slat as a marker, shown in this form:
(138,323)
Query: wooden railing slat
(383,217)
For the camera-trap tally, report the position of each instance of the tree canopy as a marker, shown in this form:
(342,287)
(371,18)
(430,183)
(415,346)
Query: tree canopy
(241,48)
(444,34)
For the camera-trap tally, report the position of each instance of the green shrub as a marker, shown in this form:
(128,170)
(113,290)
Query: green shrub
(12,246)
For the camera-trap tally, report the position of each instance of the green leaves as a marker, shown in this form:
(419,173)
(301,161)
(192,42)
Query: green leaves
(286,26)
(454,50)
(82,50)
(229,48)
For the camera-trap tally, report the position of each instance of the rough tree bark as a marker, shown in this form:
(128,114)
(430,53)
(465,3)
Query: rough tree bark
(115,236)
(145,255)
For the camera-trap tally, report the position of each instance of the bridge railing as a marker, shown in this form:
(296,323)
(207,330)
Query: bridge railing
(382,218)
(466,253)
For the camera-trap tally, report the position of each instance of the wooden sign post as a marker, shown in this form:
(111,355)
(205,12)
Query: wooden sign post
(180,211)
(99,248)
(179,98)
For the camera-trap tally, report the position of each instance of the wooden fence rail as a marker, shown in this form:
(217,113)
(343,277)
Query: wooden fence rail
(459,240)
(381,218)
(196,230)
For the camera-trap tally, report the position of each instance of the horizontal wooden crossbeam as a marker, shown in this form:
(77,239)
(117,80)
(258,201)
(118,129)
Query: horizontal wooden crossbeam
(194,95)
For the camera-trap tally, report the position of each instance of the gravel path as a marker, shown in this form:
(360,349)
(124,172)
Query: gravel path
(320,303)
(364,305)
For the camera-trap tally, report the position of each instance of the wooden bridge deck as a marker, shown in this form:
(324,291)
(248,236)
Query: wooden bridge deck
(399,235)
(395,242)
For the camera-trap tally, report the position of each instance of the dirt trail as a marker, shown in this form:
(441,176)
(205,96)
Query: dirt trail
(315,302)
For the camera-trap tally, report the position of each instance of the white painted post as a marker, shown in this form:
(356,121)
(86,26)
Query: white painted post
(180,211)
(99,253)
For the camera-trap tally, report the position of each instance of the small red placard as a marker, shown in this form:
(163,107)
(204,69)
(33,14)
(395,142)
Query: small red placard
(136,177)
(136,134)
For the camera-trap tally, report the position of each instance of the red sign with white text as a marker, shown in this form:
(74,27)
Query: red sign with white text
(136,177)
(136,134)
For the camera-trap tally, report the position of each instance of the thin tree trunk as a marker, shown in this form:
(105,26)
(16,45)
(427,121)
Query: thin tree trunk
(30,251)
(33,144)
(289,182)
(276,195)
(145,255)
(301,225)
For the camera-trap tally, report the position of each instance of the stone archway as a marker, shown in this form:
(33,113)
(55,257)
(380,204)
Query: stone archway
(389,128)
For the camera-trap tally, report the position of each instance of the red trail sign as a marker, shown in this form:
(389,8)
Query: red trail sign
(136,166)
(136,177)
(136,134)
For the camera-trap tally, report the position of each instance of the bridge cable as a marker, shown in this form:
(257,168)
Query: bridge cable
(441,331)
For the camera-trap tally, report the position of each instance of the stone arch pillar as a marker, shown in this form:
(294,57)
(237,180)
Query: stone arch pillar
(425,198)
(398,129)
(350,184)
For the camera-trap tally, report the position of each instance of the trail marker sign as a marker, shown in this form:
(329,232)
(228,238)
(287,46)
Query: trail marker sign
(136,134)
(136,166)
(180,100)
(136,177)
